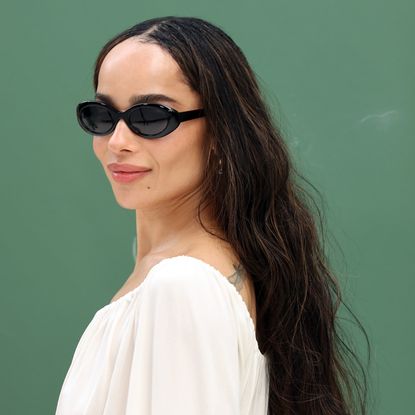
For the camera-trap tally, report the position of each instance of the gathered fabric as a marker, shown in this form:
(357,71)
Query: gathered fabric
(181,343)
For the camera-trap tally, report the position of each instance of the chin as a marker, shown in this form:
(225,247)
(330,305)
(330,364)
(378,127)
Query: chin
(127,203)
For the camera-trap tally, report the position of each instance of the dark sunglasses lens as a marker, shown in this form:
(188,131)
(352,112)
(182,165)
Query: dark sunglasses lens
(96,119)
(148,120)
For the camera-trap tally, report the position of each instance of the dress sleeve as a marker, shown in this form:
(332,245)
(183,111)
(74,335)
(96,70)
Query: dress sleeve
(185,356)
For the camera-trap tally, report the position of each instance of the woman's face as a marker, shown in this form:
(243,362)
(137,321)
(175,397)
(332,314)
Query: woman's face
(132,68)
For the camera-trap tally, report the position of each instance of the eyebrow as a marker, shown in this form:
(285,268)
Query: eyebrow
(137,99)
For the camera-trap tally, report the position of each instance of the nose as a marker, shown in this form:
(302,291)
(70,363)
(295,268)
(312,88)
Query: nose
(121,137)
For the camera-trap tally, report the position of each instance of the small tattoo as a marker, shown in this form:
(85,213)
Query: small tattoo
(237,277)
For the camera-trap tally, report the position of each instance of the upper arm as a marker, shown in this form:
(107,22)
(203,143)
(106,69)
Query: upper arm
(186,348)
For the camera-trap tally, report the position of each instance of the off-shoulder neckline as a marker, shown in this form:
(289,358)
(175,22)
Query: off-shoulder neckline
(135,291)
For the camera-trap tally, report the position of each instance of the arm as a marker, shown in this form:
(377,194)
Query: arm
(185,359)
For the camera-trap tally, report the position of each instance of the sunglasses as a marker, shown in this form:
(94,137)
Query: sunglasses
(145,119)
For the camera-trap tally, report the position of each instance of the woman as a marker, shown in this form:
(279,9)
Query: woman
(228,309)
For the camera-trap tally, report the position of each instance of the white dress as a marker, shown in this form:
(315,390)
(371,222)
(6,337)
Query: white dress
(181,343)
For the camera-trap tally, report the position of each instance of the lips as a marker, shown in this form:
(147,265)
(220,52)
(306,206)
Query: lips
(126,168)
(128,177)
(127,172)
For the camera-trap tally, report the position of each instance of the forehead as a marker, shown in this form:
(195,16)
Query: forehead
(132,67)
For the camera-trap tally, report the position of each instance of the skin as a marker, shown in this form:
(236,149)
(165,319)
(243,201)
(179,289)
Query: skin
(164,200)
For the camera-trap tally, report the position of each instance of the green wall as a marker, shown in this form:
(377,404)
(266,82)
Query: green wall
(340,78)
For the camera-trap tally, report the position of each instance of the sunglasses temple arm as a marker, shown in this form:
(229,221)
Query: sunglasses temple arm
(190,115)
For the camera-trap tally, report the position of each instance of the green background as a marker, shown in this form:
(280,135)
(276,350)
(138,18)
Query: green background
(340,78)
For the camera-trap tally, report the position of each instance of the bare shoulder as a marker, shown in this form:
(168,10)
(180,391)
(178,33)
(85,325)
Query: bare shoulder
(228,264)
(217,254)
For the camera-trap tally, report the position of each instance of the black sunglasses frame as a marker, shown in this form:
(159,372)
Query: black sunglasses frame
(174,117)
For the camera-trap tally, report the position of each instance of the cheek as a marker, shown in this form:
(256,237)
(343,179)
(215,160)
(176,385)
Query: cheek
(182,161)
(98,146)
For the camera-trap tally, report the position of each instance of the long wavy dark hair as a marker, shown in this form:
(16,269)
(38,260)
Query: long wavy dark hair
(268,219)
